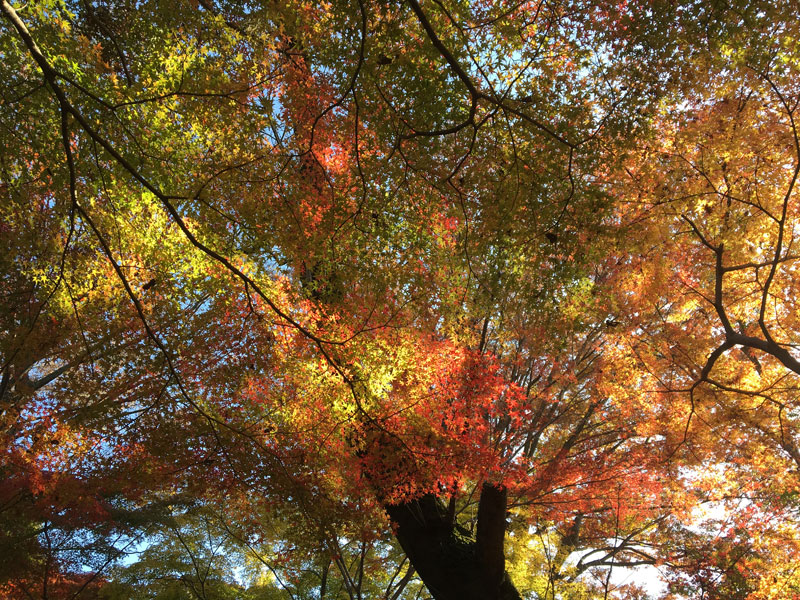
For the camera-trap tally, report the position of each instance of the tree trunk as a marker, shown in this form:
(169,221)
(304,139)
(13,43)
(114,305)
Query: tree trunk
(451,565)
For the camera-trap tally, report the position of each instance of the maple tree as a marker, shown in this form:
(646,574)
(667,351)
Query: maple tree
(355,300)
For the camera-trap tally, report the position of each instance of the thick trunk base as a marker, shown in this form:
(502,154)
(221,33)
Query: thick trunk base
(453,566)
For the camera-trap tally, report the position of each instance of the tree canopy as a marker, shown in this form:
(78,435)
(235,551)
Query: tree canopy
(428,299)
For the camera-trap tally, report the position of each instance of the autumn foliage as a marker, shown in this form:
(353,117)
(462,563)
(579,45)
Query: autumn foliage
(379,300)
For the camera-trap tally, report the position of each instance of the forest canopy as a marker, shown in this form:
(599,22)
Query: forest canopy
(450,299)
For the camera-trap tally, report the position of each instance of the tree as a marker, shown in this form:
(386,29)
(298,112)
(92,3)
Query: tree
(306,285)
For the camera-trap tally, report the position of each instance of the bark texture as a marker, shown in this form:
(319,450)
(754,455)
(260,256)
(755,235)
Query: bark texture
(453,566)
